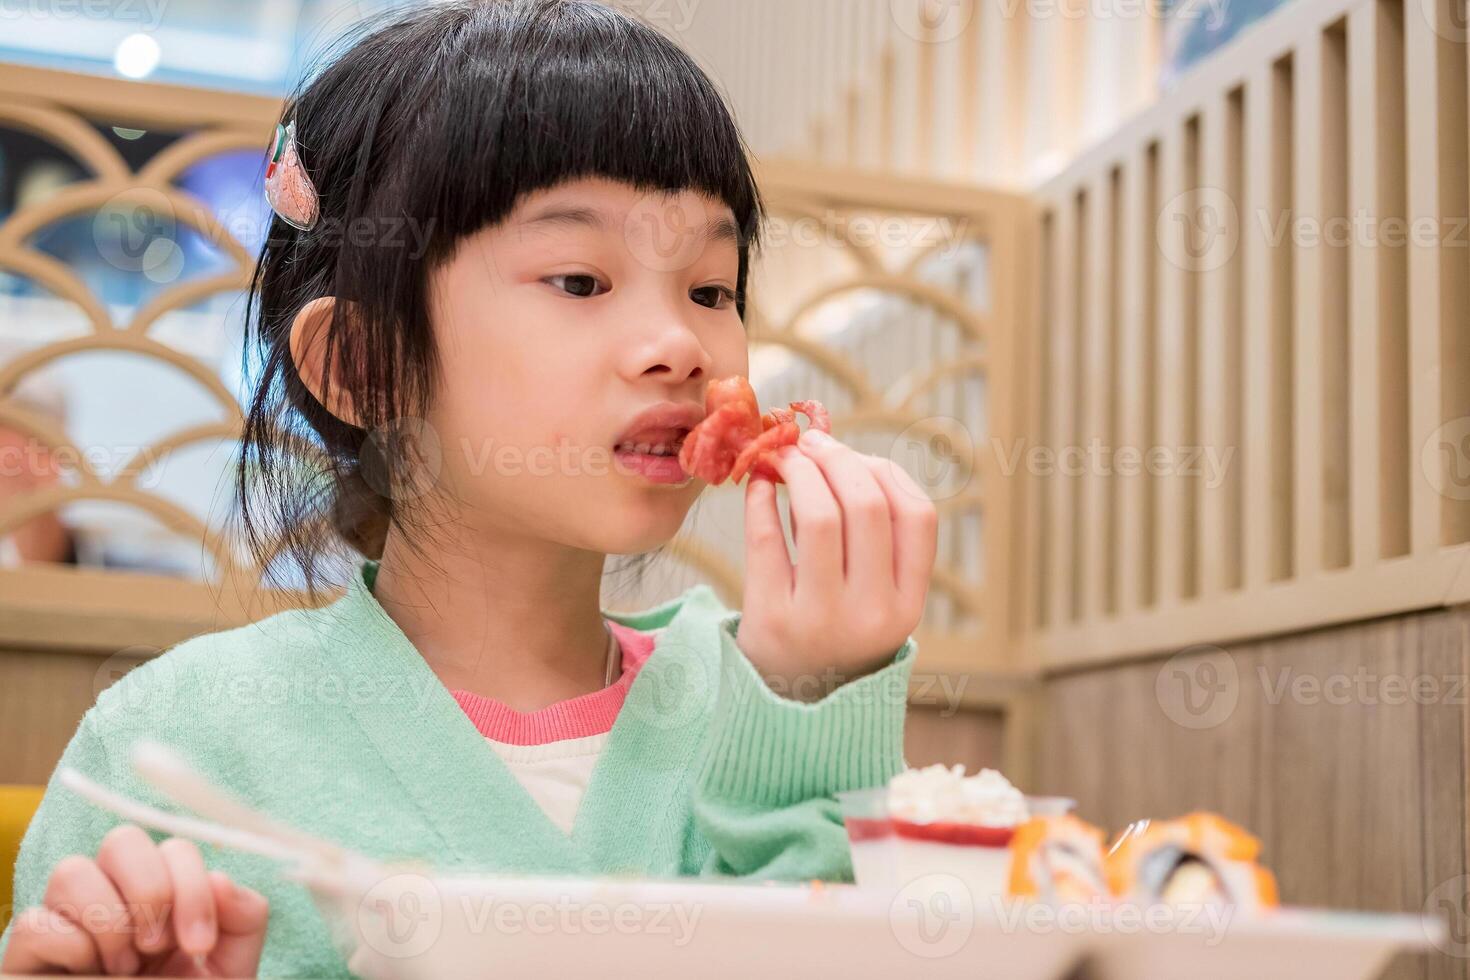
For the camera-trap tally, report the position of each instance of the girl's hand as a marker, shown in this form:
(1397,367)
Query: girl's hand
(140,909)
(866,535)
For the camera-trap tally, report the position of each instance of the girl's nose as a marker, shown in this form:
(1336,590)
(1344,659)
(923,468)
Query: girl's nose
(673,351)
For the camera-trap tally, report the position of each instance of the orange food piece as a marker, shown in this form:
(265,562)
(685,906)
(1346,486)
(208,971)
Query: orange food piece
(1228,850)
(734,439)
(1037,869)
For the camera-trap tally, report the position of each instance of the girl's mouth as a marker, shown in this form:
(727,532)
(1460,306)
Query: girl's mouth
(657,462)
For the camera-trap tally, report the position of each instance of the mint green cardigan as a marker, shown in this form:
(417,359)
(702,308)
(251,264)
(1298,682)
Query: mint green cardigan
(329,720)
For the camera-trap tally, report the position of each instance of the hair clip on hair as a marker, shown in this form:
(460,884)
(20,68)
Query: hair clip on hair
(287,187)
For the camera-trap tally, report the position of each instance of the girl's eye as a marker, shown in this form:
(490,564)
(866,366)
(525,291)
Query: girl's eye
(576,284)
(714,297)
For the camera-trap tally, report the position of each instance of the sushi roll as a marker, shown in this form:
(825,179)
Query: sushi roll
(1199,859)
(1057,859)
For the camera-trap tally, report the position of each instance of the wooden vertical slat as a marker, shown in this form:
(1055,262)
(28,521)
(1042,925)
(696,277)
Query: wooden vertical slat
(818,112)
(1307,195)
(1380,456)
(1061,393)
(819,80)
(1336,249)
(1112,242)
(1268,435)
(1129,216)
(1041,421)
(1011,274)
(796,76)
(839,139)
(1364,77)
(909,57)
(888,157)
(934,102)
(967,126)
(1095,329)
(866,85)
(1134,219)
(833,24)
(1423,53)
(1227,467)
(1151,259)
(1190,435)
(1169,374)
(1219,352)
(950,404)
(992,67)
(1074,461)
(775,71)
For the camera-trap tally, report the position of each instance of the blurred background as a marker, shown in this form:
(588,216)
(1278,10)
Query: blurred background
(1018,97)
(1163,301)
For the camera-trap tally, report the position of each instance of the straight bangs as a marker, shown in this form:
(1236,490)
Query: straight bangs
(535,94)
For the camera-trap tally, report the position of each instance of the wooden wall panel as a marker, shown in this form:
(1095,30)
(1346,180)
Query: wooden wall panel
(938,735)
(1343,749)
(42,699)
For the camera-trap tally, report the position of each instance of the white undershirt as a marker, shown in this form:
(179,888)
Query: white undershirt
(555,774)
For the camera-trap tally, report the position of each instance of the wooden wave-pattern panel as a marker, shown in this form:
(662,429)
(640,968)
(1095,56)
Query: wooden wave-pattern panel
(112,184)
(895,345)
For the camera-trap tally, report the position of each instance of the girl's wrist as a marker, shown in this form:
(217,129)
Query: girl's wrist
(812,686)
(802,681)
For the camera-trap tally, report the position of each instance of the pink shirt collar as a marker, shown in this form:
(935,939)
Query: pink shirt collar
(588,714)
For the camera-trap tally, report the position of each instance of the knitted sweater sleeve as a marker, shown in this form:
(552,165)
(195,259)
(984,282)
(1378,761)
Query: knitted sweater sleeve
(764,800)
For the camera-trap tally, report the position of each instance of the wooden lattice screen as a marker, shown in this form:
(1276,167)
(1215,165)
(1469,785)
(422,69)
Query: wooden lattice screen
(939,377)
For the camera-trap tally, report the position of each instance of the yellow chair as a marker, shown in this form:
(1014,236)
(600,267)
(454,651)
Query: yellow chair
(17,805)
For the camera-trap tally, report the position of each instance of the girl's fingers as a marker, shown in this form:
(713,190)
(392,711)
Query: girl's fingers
(80,891)
(242,911)
(134,865)
(818,574)
(193,915)
(867,527)
(767,562)
(243,914)
(915,528)
(43,940)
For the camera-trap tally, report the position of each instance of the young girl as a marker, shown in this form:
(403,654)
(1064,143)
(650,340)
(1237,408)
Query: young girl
(485,272)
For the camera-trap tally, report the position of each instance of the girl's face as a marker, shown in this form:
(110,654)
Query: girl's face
(591,304)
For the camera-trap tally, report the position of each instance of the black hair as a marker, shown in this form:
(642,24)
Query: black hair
(443,116)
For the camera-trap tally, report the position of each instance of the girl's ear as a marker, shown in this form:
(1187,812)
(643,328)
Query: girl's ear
(308,350)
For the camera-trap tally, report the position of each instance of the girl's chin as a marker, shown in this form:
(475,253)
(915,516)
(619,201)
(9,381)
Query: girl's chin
(648,522)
